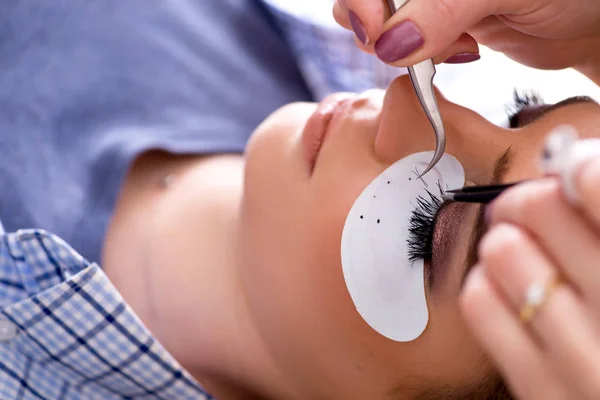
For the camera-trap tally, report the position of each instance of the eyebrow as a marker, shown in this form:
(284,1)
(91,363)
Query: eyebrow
(501,167)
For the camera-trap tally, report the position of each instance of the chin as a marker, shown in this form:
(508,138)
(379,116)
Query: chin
(271,143)
(287,120)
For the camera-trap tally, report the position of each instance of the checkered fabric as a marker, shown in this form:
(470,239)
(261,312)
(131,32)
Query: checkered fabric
(66,333)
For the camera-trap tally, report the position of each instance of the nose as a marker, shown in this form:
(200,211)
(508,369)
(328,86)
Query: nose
(405,129)
(404,126)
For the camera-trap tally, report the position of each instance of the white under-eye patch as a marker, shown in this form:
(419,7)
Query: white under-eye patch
(387,289)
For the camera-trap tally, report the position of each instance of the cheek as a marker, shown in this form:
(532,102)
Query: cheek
(295,289)
(288,241)
(292,261)
(293,277)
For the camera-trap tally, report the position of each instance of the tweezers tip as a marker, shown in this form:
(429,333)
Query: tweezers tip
(448,196)
(422,174)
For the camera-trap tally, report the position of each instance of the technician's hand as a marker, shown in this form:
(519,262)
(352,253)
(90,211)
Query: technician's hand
(547,34)
(533,300)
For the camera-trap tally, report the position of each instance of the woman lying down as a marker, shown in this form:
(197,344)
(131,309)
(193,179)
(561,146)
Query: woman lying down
(317,266)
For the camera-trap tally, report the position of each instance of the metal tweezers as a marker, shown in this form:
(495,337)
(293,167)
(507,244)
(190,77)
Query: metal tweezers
(421,76)
(477,194)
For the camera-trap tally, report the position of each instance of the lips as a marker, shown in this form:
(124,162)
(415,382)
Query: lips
(316,128)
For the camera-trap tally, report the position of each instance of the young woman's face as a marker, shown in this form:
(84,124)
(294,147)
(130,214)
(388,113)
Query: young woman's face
(296,200)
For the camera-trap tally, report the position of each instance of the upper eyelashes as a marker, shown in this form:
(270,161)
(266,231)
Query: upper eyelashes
(521,101)
(422,227)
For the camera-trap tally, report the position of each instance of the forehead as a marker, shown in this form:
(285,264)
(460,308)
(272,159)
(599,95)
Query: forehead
(529,140)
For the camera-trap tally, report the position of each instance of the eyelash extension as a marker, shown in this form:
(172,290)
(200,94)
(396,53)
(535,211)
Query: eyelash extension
(421,228)
(521,101)
(422,225)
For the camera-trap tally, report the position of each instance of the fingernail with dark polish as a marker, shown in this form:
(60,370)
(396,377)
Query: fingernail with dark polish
(359,28)
(399,42)
(463,58)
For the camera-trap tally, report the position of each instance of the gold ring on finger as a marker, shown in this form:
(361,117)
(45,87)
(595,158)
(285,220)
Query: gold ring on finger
(536,296)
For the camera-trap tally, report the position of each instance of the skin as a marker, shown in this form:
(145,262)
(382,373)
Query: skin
(555,354)
(236,266)
(544,34)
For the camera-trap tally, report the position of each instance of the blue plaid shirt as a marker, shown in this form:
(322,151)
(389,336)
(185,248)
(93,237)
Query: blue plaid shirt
(66,332)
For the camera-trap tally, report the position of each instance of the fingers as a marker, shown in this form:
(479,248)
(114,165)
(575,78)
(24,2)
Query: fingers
(421,29)
(587,181)
(513,261)
(541,230)
(540,208)
(504,338)
(464,50)
(365,18)
(341,16)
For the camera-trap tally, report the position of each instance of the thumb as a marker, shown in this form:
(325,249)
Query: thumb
(423,29)
(364,17)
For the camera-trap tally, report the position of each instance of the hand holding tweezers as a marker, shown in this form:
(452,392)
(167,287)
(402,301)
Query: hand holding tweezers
(421,76)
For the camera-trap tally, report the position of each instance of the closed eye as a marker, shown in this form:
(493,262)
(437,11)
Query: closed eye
(531,108)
